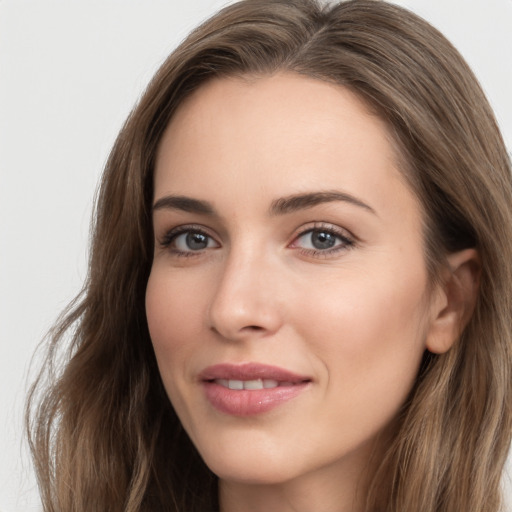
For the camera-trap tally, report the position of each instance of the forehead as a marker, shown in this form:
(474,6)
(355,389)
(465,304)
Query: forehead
(277,135)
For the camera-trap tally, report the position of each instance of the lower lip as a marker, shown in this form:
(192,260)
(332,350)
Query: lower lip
(250,402)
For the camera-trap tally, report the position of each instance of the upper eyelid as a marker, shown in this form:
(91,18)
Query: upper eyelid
(184,228)
(298,232)
(171,234)
(327,226)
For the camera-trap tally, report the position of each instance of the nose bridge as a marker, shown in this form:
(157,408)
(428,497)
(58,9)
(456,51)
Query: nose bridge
(245,299)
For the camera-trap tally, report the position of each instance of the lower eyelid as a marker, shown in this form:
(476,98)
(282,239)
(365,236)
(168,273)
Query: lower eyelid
(170,235)
(343,236)
(344,241)
(168,242)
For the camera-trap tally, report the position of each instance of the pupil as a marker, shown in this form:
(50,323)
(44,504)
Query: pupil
(197,241)
(323,240)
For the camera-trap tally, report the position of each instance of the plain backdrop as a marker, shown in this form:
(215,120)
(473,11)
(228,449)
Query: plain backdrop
(70,72)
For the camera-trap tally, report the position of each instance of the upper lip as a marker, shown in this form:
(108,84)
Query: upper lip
(250,371)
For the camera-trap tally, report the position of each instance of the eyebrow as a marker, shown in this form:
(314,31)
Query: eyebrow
(296,202)
(185,204)
(281,206)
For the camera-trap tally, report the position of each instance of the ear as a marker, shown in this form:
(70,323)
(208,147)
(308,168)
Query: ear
(454,300)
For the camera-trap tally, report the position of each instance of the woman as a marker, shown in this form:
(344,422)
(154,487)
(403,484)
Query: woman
(300,280)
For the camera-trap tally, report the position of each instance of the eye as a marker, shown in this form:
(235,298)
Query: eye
(322,240)
(319,240)
(187,240)
(193,241)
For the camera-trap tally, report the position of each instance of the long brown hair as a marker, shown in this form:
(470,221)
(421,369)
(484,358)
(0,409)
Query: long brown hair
(103,433)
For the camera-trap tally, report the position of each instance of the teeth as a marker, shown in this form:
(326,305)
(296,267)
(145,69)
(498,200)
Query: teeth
(251,384)
(236,384)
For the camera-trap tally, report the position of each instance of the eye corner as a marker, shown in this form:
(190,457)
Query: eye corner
(188,240)
(322,240)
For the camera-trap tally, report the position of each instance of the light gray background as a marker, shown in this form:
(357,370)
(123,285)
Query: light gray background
(69,73)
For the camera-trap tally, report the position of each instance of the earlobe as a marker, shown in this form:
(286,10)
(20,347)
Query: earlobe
(454,300)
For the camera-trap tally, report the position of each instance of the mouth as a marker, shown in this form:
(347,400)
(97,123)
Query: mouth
(252,384)
(251,388)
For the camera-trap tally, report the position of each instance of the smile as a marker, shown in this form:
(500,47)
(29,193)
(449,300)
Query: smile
(250,389)
(251,384)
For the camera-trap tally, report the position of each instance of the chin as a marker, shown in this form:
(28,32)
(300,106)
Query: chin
(244,466)
(254,474)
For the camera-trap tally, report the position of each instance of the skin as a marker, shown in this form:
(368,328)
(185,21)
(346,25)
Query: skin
(356,320)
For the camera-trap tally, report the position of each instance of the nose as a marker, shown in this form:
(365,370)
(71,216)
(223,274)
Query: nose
(246,303)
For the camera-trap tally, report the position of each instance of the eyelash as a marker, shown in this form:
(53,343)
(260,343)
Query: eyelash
(170,237)
(347,242)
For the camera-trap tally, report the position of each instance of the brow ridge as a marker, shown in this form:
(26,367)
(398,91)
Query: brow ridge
(184,203)
(296,202)
(281,206)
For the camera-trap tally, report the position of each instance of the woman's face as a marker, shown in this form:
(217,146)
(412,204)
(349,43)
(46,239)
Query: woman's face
(287,302)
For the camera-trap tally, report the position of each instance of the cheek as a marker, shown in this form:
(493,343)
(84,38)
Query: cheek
(174,320)
(369,335)
(369,307)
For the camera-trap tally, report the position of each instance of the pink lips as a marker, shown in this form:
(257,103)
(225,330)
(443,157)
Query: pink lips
(251,388)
